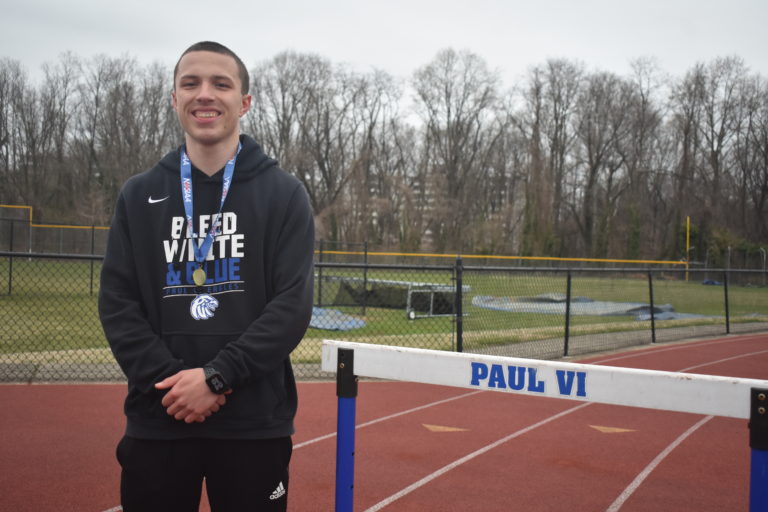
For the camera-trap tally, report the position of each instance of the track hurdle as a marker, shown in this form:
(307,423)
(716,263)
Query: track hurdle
(681,392)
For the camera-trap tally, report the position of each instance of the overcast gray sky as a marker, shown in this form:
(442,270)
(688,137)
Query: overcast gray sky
(397,36)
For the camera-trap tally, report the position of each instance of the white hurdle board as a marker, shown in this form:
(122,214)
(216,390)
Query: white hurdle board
(670,391)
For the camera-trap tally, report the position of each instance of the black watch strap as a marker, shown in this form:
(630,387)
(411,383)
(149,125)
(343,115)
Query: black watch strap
(215,380)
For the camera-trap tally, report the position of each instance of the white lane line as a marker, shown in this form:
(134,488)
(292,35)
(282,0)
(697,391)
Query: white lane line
(637,482)
(385,418)
(469,457)
(682,346)
(723,360)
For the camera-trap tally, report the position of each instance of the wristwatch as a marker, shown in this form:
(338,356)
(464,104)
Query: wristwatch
(215,380)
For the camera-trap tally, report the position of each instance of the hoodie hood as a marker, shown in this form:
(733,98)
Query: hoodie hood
(251,161)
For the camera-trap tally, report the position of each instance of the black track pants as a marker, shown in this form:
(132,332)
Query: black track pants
(240,475)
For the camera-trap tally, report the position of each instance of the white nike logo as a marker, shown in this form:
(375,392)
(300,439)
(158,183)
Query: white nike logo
(153,201)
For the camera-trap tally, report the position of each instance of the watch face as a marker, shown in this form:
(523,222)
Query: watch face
(217,383)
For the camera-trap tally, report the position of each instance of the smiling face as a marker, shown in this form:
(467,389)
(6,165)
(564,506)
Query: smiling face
(208,99)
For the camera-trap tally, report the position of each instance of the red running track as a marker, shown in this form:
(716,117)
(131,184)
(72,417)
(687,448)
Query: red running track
(424,448)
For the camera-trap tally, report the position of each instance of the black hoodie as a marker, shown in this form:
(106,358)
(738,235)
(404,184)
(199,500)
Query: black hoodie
(259,274)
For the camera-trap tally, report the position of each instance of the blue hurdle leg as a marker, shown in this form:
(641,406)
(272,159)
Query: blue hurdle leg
(758,484)
(345,455)
(346,390)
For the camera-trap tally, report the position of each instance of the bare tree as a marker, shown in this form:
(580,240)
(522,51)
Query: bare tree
(752,154)
(601,129)
(123,123)
(93,91)
(457,97)
(545,122)
(304,114)
(708,120)
(686,116)
(12,88)
(281,90)
(640,150)
(33,134)
(721,122)
(376,173)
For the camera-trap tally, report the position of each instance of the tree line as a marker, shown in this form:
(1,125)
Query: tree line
(567,162)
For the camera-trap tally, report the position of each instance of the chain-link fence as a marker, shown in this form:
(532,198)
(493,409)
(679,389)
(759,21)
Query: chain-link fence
(49,327)
(18,235)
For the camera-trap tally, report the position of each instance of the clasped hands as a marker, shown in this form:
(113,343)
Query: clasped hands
(189,398)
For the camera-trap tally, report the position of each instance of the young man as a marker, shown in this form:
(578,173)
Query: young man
(206,289)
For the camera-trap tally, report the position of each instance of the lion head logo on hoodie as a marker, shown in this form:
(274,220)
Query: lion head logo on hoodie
(203,306)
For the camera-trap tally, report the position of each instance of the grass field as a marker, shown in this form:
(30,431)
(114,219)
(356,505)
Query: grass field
(51,309)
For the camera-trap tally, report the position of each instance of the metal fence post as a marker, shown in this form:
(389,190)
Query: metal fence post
(653,309)
(567,314)
(10,260)
(320,276)
(459,271)
(93,245)
(365,277)
(727,306)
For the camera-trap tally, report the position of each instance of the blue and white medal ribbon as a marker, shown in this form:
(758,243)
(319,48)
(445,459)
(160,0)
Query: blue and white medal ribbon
(201,251)
(203,305)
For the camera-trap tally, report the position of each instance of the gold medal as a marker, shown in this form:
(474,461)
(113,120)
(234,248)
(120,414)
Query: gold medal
(198,276)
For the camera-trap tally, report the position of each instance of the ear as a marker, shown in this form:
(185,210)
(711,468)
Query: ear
(173,99)
(246,104)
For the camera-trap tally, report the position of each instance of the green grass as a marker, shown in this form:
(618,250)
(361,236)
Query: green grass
(52,309)
(52,306)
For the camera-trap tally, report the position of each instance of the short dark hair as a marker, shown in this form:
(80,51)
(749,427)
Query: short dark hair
(211,46)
